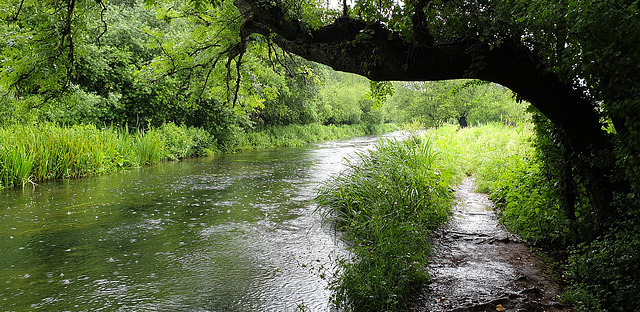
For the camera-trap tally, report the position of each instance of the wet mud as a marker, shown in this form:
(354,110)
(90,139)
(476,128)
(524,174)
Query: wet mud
(479,266)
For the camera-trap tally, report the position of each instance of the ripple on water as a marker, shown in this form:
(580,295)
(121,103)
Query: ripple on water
(231,233)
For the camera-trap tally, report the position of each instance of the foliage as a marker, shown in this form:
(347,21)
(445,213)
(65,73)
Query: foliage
(180,63)
(36,153)
(386,204)
(522,171)
(528,206)
(31,154)
(190,63)
(339,97)
(299,135)
(41,40)
(45,152)
(372,116)
(486,152)
(604,273)
(464,101)
(183,142)
(507,163)
(417,101)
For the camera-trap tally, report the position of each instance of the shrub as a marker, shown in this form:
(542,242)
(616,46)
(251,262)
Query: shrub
(183,142)
(605,273)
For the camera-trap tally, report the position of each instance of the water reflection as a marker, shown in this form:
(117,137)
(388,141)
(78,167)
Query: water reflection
(230,233)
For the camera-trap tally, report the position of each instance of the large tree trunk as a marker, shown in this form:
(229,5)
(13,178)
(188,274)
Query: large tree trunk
(386,56)
(462,121)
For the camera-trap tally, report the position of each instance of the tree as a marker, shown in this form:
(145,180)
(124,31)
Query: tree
(551,53)
(463,97)
(40,43)
(465,101)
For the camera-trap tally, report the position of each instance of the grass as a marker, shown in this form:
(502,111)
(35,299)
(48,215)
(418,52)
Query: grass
(35,153)
(389,200)
(385,204)
(300,135)
(602,272)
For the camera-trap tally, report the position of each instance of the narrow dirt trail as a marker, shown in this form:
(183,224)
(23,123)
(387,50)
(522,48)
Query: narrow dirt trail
(479,266)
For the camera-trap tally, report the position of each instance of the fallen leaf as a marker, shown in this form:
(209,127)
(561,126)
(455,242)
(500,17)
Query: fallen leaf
(500,308)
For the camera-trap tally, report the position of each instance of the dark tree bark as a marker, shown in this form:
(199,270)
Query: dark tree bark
(462,121)
(568,186)
(387,56)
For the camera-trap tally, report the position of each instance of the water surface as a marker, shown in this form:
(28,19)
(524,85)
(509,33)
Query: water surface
(228,233)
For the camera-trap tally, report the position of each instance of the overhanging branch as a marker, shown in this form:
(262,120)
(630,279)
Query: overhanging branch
(373,51)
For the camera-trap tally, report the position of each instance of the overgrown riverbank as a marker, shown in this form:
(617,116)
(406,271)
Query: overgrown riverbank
(601,272)
(386,204)
(390,199)
(36,153)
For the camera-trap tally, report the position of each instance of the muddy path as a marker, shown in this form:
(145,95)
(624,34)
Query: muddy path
(479,266)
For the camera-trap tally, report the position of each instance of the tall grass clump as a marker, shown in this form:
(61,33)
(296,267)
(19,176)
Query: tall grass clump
(147,148)
(43,152)
(386,203)
(35,153)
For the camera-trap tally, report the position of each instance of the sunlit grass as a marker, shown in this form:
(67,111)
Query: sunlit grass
(485,152)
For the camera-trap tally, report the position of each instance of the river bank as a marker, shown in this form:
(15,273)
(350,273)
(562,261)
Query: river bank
(235,232)
(31,154)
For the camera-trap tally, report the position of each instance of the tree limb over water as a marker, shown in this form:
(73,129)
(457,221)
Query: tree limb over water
(374,51)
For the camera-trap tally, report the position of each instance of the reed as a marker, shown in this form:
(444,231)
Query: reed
(35,153)
(385,204)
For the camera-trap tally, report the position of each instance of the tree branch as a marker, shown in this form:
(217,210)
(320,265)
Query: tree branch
(373,51)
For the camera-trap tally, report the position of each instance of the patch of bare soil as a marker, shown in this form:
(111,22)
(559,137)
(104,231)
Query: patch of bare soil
(480,266)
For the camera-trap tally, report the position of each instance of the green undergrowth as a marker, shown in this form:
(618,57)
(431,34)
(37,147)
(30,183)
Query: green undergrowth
(34,153)
(299,135)
(390,199)
(487,152)
(385,204)
(519,170)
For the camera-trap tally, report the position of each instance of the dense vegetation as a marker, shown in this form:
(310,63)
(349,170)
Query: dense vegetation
(576,62)
(389,200)
(153,72)
(386,203)
(44,152)
(521,177)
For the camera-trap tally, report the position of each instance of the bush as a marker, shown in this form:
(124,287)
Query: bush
(183,142)
(605,273)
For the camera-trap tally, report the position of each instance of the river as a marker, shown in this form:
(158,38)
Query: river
(227,233)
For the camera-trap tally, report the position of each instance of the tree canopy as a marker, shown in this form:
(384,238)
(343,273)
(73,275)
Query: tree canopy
(575,61)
